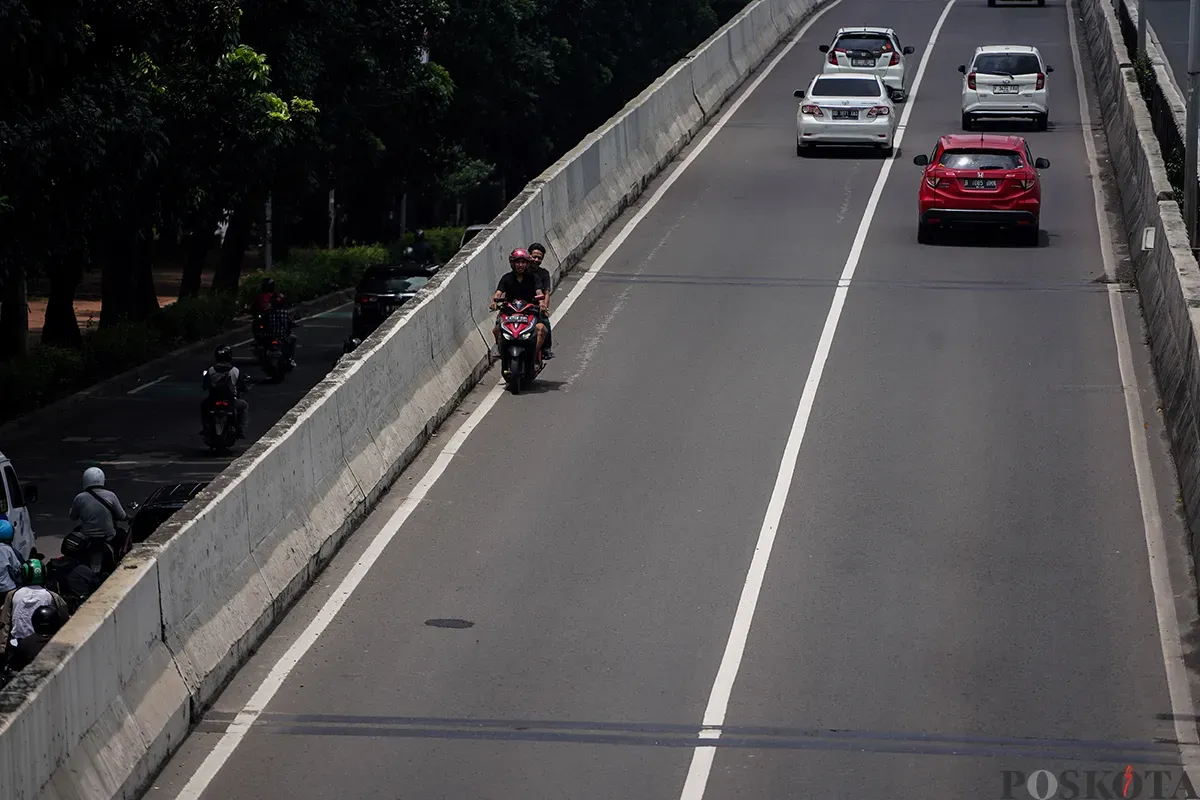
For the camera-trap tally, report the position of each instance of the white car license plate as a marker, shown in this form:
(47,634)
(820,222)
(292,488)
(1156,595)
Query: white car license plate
(1007,89)
(845,113)
(862,62)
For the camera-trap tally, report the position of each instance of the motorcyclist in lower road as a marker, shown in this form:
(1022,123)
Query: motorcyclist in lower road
(10,562)
(224,381)
(422,251)
(16,614)
(97,510)
(46,622)
(278,324)
(519,284)
(537,251)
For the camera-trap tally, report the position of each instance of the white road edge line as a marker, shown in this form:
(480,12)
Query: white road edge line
(229,741)
(718,702)
(148,385)
(1182,706)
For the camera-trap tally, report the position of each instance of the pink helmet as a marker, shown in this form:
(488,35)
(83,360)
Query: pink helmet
(520,254)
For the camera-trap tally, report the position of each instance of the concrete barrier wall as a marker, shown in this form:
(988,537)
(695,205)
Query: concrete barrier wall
(115,693)
(1168,276)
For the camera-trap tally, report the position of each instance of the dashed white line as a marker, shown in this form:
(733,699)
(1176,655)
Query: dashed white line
(718,702)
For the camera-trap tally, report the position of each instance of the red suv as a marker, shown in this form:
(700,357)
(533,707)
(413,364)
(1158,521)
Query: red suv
(980,180)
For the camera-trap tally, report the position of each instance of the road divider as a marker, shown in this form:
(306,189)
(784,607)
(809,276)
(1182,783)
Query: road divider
(1167,274)
(116,692)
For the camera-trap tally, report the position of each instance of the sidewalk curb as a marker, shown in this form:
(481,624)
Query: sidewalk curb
(238,331)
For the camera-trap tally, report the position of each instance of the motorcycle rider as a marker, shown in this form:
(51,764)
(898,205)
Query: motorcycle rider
(348,347)
(224,381)
(97,510)
(45,622)
(519,284)
(278,324)
(16,614)
(537,251)
(10,562)
(422,251)
(262,300)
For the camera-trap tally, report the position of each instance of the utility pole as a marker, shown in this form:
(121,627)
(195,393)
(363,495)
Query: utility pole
(1143,16)
(332,216)
(1193,119)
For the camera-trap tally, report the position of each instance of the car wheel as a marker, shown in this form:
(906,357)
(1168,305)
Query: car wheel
(991,3)
(1033,236)
(924,234)
(801,150)
(888,150)
(1043,121)
(1041,3)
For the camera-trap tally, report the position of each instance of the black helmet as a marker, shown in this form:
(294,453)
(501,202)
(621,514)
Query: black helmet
(268,285)
(45,620)
(350,344)
(419,235)
(223,354)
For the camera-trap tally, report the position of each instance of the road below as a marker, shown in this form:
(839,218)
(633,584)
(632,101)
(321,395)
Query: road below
(1170,20)
(150,436)
(958,585)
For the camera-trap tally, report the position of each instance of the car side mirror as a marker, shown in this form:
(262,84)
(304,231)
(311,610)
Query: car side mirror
(31,493)
(824,48)
(908,51)
(1042,163)
(799,94)
(962,68)
(921,160)
(1049,69)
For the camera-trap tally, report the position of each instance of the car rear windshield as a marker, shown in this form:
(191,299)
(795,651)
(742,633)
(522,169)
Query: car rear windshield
(846,87)
(392,283)
(980,159)
(1007,64)
(875,42)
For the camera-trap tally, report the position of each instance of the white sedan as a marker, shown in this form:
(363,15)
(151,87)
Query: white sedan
(1006,80)
(845,110)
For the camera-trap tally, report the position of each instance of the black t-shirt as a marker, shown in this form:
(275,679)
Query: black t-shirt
(524,289)
(26,651)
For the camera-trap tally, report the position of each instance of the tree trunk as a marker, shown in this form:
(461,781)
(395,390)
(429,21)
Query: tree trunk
(233,252)
(118,284)
(14,315)
(145,295)
(196,249)
(61,328)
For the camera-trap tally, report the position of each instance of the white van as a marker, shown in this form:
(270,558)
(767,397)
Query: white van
(14,506)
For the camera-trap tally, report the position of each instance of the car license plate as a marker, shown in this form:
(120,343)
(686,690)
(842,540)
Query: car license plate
(979,183)
(1007,89)
(845,113)
(862,62)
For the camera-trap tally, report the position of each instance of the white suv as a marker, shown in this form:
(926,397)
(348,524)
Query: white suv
(875,51)
(1006,80)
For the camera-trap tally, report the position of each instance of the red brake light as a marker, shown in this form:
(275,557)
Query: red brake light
(1041,80)
(971,81)
(895,62)
(879,111)
(833,57)
(364,298)
(812,109)
(1026,183)
(934,182)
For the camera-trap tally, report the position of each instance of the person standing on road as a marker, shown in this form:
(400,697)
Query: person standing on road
(97,510)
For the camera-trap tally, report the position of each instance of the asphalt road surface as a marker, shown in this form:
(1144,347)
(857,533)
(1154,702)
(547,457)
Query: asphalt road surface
(1170,20)
(958,583)
(148,436)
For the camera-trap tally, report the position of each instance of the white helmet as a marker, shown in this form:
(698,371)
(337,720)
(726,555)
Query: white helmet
(93,476)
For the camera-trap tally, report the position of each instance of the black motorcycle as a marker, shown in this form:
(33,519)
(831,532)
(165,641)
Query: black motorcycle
(220,426)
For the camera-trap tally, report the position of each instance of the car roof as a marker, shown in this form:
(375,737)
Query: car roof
(1006,48)
(864,30)
(840,76)
(995,141)
(174,494)
(407,270)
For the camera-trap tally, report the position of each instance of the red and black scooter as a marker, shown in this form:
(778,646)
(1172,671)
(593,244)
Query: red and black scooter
(518,343)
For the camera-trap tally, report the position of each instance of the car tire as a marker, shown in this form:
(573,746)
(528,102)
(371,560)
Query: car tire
(1041,3)
(966,122)
(1033,237)
(924,234)
(1043,121)
(991,3)
(801,150)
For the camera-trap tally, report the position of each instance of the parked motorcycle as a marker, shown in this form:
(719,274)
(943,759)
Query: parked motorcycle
(518,344)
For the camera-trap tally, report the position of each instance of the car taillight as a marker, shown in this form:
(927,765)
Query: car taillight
(895,62)
(1025,183)
(934,182)
(1041,80)
(812,110)
(879,111)
(833,57)
(364,298)
(971,81)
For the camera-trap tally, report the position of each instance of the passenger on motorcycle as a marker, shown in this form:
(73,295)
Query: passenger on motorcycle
(224,381)
(519,284)
(537,251)
(45,622)
(97,510)
(262,300)
(10,562)
(278,324)
(422,252)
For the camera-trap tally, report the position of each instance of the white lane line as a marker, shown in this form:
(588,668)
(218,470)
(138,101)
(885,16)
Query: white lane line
(718,701)
(1178,688)
(148,385)
(271,684)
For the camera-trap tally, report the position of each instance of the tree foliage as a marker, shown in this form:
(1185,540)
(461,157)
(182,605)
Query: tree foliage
(130,130)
